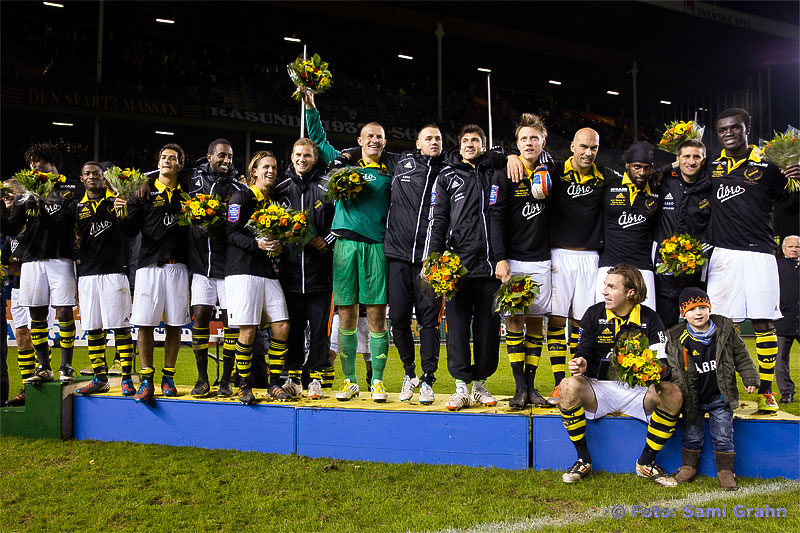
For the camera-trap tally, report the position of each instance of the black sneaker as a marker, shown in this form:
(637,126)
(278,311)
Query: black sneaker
(579,470)
(201,388)
(536,399)
(519,401)
(41,375)
(246,396)
(276,392)
(17,401)
(225,389)
(66,374)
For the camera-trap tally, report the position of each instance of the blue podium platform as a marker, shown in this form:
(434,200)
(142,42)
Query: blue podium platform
(765,447)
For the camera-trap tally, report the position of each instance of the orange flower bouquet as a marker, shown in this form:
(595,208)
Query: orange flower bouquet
(442,272)
(203,210)
(34,184)
(784,150)
(676,132)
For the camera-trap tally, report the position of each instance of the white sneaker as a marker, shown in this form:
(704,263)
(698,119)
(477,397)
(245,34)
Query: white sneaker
(348,391)
(407,391)
(315,390)
(458,401)
(482,396)
(292,388)
(425,394)
(379,392)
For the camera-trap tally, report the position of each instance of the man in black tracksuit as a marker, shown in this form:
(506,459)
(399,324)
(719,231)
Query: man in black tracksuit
(685,206)
(458,222)
(213,175)
(306,273)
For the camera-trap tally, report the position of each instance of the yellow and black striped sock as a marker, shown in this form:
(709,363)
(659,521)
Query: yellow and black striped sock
(766,351)
(574,336)
(97,352)
(168,371)
(659,430)
(147,373)
(66,332)
(296,375)
(200,347)
(533,353)
(574,420)
(328,375)
(228,353)
(557,348)
(124,345)
(244,356)
(40,343)
(26,359)
(277,357)
(515,346)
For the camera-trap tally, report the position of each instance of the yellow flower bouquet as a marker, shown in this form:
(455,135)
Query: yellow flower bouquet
(676,132)
(124,183)
(345,183)
(784,150)
(442,273)
(516,295)
(277,222)
(310,75)
(32,184)
(634,362)
(681,255)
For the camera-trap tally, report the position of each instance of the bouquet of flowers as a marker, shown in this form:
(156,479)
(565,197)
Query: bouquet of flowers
(516,295)
(681,254)
(677,132)
(345,183)
(277,222)
(37,185)
(309,75)
(124,183)
(442,272)
(203,210)
(784,150)
(634,362)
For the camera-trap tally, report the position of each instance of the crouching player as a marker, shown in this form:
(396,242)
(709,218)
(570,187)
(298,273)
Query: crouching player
(591,393)
(103,288)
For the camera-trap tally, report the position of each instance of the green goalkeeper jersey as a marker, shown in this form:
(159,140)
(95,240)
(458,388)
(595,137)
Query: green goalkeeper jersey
(365,214)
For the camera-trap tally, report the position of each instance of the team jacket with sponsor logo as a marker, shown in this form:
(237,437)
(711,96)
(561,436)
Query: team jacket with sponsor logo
(305,269)
(743,193)
(519,226)
(207,250)
(576,206)
(163,239)
(600,329)
(244,255)
(51,235)
(629,217)
(103,245)
(459,214)
(362,217)
(685,207)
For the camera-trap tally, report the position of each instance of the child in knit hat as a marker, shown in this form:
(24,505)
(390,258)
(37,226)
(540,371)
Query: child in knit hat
(704,355)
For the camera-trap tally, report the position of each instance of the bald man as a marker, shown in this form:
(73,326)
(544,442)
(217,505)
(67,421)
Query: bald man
(788,327)
(576,234)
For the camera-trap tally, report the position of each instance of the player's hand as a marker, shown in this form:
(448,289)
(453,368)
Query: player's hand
(319,243)
(269,245)
(143,192)
(515,168)
(502,272)
(120,202)
(751,389)
(577,366)
(308,100)
(792,171)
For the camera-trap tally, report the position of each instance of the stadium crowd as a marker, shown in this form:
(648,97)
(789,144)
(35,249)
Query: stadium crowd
(588,235)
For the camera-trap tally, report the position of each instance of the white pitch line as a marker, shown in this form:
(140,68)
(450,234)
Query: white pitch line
(575,519)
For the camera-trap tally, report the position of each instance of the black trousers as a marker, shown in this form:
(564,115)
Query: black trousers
(405,295)
(668,291)
(313,309)
(472,306)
